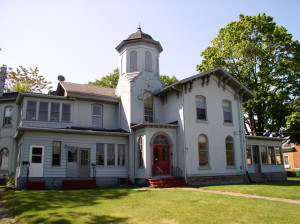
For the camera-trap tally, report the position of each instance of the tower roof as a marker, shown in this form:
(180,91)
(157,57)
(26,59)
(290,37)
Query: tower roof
(139,36)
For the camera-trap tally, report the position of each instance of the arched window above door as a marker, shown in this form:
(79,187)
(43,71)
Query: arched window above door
(161,140)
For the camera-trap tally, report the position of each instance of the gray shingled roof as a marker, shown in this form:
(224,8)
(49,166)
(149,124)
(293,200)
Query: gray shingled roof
(74,89)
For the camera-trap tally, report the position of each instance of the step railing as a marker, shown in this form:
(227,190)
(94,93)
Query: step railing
(176,171)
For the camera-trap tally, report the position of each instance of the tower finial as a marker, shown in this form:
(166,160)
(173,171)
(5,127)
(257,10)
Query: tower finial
(139,28)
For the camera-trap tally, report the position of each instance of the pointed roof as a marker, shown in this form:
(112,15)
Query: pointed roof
(139,36)
(224,79)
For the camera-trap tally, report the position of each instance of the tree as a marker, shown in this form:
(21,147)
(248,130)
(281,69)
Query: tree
(23,79)
(264,58)
(293,123)
(111,80)
(168,81)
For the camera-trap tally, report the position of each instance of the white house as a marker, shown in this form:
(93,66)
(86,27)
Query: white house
(192,129)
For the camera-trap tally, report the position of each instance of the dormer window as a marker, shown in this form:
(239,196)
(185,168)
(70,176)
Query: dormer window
(97,115)
(148,61)
(148,107)
(133,61)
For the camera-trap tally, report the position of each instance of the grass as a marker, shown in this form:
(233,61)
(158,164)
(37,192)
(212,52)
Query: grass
(283,189)
(144,206)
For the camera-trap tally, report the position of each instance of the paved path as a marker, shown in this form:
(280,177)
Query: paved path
(244,195)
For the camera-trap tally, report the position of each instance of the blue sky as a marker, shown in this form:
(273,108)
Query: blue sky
(77,38)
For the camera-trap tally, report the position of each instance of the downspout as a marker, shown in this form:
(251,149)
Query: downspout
(184,141)
(242,136)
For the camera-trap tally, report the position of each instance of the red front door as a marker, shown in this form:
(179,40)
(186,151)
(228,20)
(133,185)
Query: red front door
(161,159)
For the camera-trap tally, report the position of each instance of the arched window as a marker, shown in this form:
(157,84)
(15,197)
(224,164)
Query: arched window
(8,114)
(4,159)
(133,61)
(148,107)
(140,153)
(148,61)
(229,143)
(203,150)
(201,107)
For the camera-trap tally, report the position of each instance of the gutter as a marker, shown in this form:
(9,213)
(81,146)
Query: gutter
(72,131)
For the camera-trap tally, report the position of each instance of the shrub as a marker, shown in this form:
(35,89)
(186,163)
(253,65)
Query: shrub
(293,174)
(10,181)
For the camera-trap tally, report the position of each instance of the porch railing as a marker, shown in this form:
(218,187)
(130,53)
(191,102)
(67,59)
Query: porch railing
(176,171)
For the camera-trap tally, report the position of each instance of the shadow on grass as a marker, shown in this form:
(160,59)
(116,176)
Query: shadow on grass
(24,203)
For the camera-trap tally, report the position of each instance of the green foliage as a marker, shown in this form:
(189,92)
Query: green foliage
(109,81)
(10,181)
(293,174)
(293,123)
(23,79)
(264,58)
(168,81)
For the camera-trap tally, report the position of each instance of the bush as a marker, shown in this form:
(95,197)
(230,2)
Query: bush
(10,181)
(293,174)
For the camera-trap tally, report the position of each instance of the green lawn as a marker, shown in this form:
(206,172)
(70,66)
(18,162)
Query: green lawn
(284,189)
(144,206)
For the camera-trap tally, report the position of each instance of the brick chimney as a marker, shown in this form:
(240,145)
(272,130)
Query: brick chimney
(2,80)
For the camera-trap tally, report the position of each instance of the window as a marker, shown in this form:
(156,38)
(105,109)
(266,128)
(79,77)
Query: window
(133,61)
(37,155)
(8,113)
(229,151)
(100,154)
(31,110)
(249,157)
(227,111)
(148,61)
(203,150)
(4,159)
(97,115)
(56,152)
(66,112)
(54,115)
(43,111)
(140,153)
(148,107)
(272,158)
(121,155)
(278,155)
(72,154)
(264,154)
(201,107)
(286,162)
(110,154)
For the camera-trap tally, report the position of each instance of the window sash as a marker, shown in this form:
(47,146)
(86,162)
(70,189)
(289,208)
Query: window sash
(230,152)
(31,110)
(121,155)
(54,115)
(99,154)
(264,154)
(201,107)
(66,112)
(110,155)
(272,157)
(97,115)
(249,155)
(8,113)
(56,153)
(43,111)
(227,111)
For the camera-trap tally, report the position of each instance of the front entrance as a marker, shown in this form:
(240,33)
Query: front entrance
(36,161)
(78,162)
(256,159)
(161,156)
(161,159)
